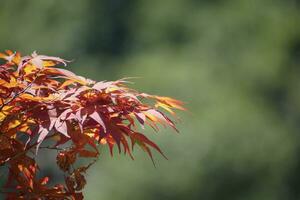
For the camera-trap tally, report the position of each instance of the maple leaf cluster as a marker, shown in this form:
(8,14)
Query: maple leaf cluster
(41,103)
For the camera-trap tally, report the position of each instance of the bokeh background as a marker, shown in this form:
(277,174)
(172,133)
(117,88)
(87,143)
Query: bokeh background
(236,64)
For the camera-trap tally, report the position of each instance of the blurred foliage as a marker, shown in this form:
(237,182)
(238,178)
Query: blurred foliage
(235,62)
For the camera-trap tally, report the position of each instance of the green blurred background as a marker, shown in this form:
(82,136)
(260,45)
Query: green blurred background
(236,64)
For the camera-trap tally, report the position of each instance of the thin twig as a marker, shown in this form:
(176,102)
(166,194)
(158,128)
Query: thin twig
(52,148)
(21,92)
(25,151)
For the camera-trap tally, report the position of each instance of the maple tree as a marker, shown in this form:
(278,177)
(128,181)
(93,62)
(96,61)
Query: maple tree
(43,104)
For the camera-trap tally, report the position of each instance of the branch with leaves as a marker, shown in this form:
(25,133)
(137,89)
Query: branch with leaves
(39,102)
